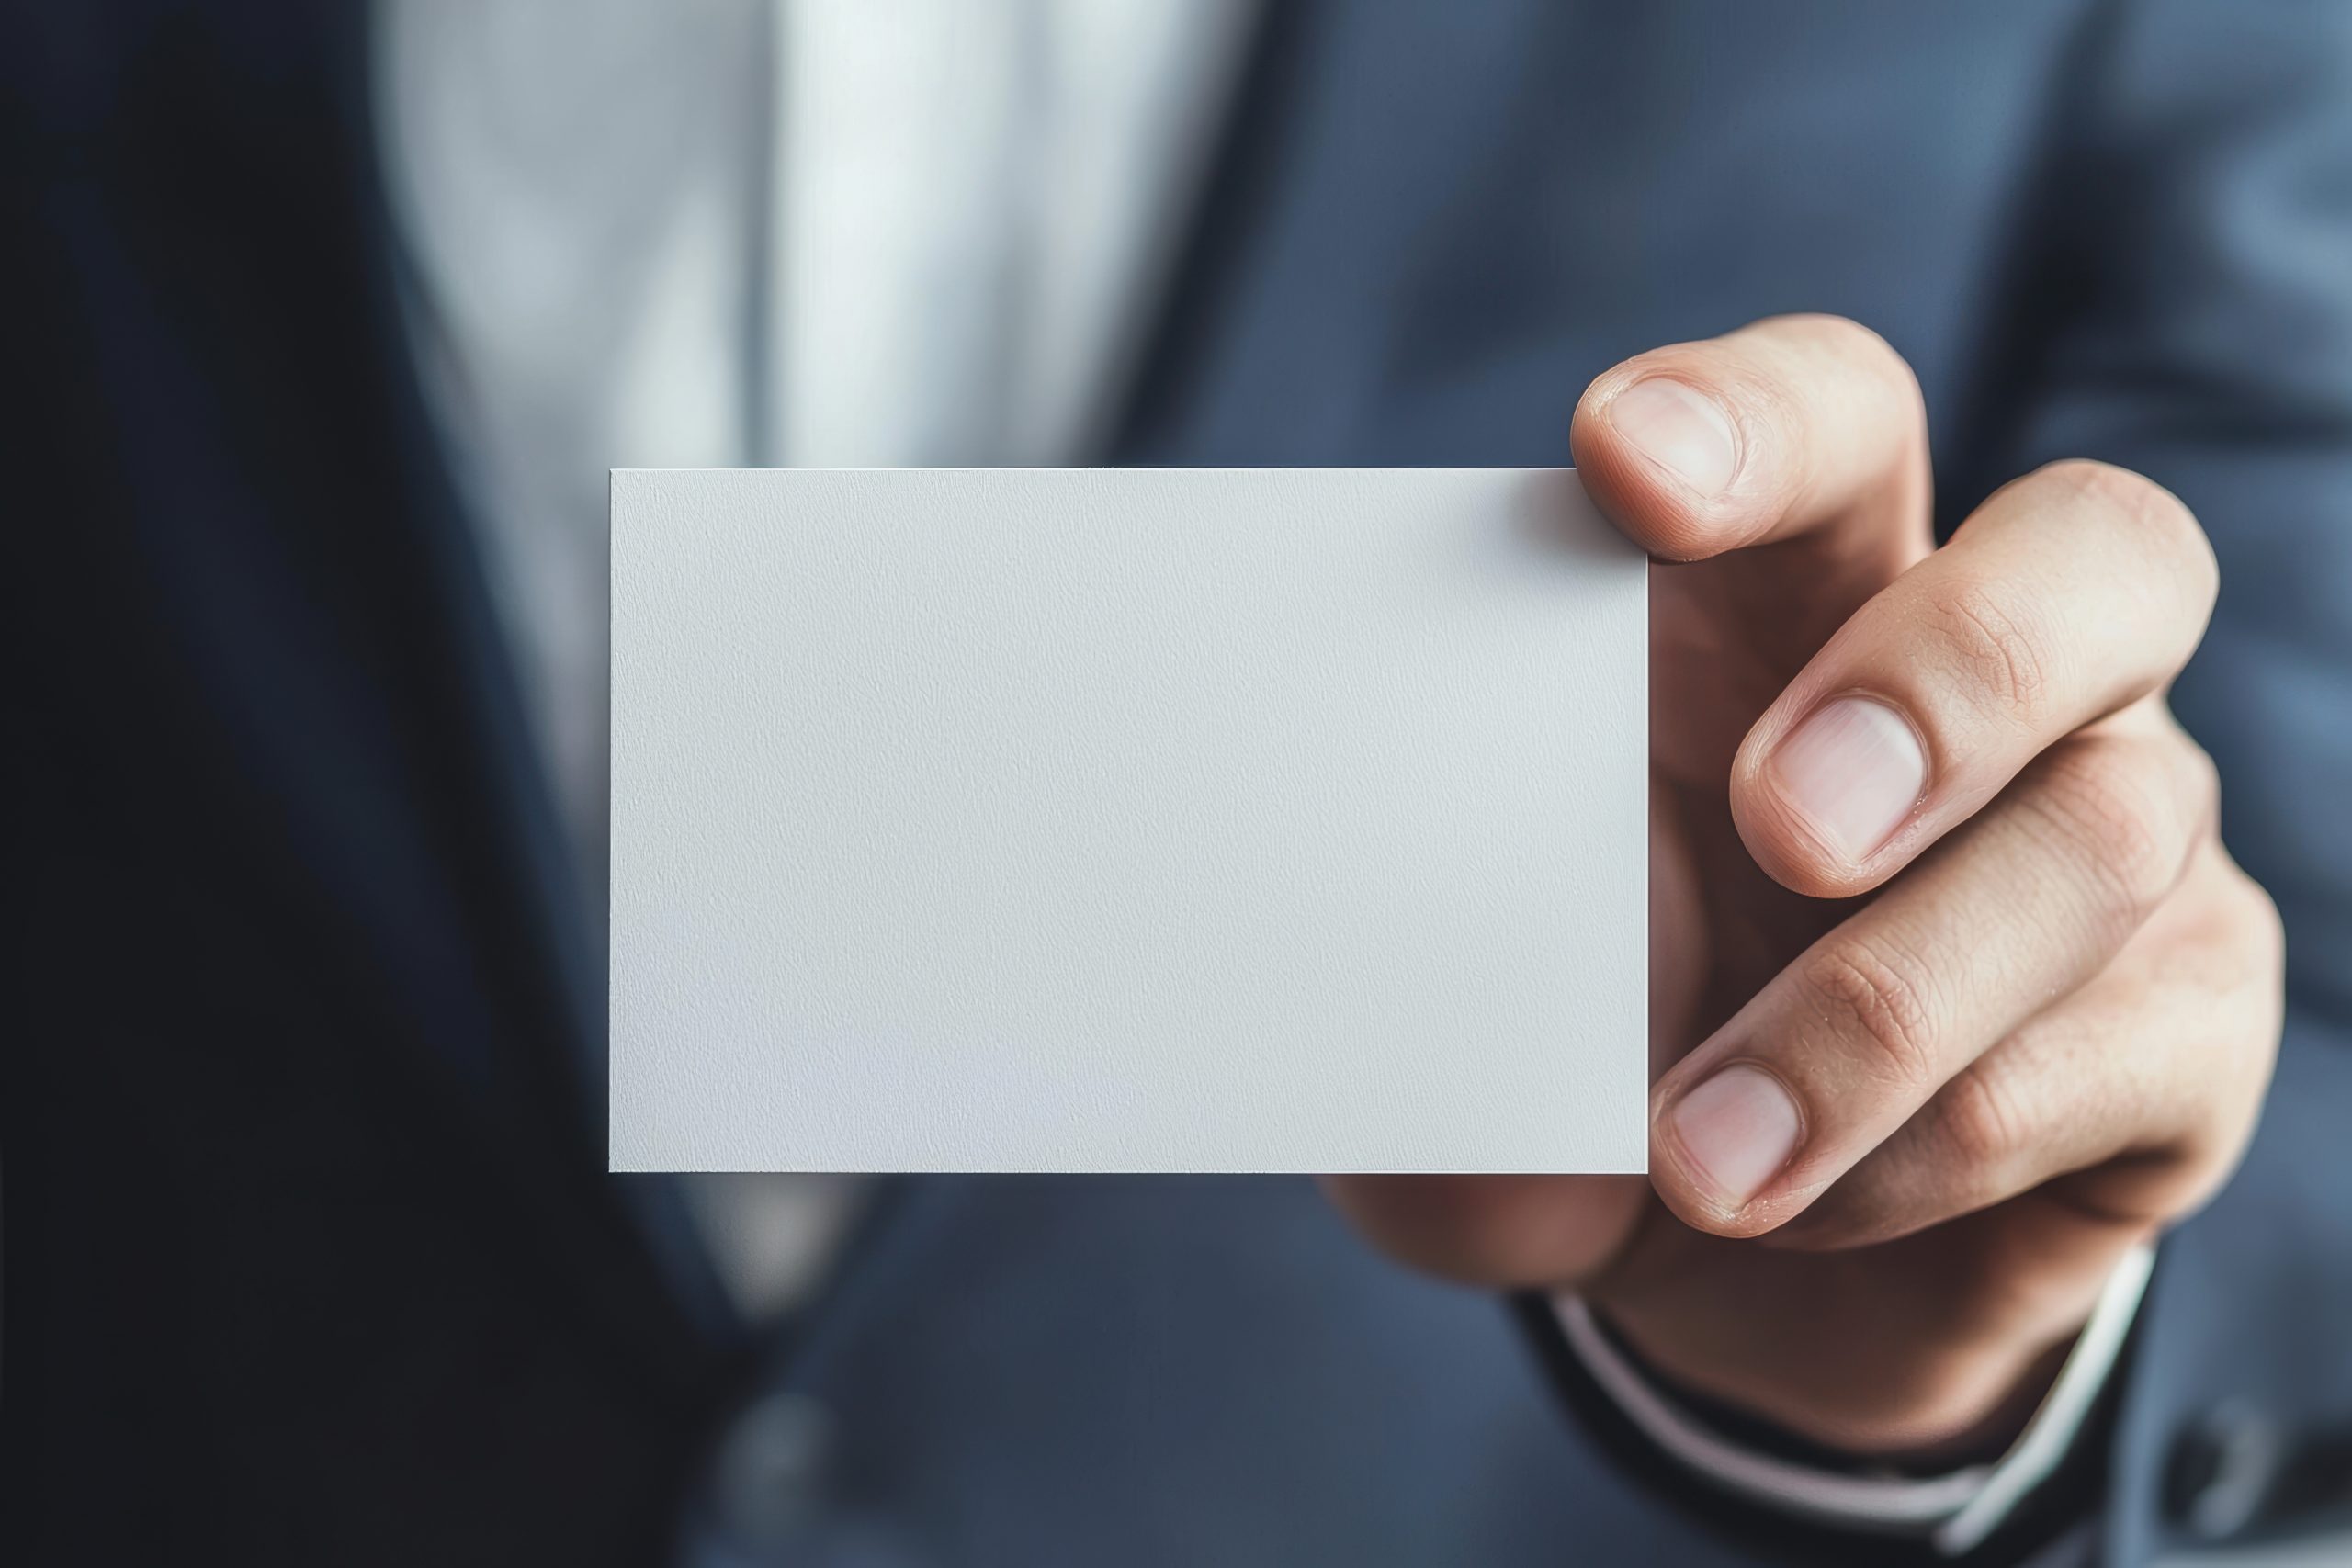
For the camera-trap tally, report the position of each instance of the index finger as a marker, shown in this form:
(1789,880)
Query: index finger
(1807,431)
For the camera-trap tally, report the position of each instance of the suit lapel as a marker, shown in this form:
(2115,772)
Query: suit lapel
(317,584)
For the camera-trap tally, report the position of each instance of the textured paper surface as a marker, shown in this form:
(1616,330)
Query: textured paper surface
(1095,820)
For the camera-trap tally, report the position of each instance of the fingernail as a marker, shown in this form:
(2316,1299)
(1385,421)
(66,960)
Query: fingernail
(1681,430)
(1739,1128)
(1853,770)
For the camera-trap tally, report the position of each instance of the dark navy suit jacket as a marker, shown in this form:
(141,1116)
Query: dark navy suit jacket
(310,1255)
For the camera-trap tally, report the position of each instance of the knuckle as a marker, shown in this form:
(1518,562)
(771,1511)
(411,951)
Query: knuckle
(2158,519)
(2272,927)
(2221,1123)
(1876,1000)
(1842,342)
(2263,930)
(1997,645)
(1977,1122)
(1849,339)
(2121,837)
(2202,782)
(2118,490)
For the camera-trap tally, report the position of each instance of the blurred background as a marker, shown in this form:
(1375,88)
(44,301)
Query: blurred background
(327,324)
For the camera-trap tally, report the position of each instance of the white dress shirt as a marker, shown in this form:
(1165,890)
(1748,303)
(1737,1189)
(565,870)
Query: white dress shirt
(849,233)
(739,232)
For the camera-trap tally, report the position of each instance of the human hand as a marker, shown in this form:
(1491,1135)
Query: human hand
(1955,995)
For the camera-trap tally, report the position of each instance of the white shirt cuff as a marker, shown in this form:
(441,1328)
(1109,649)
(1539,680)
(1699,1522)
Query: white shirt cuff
(1954,1511)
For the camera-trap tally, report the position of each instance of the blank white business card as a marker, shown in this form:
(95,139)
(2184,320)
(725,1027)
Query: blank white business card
(1127,820)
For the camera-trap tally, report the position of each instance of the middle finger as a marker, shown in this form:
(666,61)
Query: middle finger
(2067,595)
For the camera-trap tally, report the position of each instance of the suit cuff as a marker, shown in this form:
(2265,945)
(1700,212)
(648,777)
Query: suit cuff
(1950,1513)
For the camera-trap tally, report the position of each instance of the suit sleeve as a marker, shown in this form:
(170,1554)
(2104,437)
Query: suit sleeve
(2191,319)
(2185,312)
